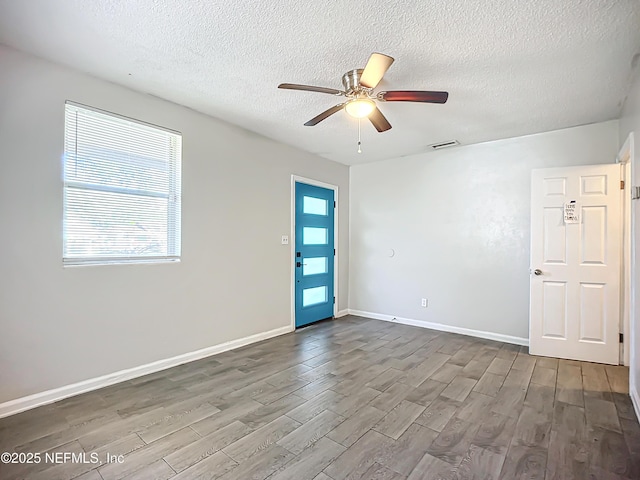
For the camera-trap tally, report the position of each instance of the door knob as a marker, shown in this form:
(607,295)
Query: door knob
(537,271)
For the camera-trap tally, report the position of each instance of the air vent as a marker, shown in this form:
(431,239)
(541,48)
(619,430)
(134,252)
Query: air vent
(438,146)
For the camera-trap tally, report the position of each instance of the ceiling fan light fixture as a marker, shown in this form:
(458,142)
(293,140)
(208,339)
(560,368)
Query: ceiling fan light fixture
(360,107)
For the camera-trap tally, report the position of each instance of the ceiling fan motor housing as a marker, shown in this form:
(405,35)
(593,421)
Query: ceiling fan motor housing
(351,81)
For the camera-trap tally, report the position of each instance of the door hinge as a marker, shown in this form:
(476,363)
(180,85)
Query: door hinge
(334,252)
(622,338)
(334,300)
(621,184)
(334,204)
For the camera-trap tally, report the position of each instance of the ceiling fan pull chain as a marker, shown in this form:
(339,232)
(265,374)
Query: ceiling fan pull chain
(359,142)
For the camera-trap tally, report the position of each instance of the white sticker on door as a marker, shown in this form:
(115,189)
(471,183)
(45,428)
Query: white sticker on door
(571,212)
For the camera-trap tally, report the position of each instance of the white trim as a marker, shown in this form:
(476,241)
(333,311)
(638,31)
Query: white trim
(635,397)
(625,270)
(328,186)
(624,155)
(43,398)
(627,153)
(624,158)
(499,337)
(342,313)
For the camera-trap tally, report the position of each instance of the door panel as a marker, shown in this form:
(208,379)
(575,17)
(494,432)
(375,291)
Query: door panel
(592,312)
(575,298)
(555,248)
(314,227)
(555,310)
(594,227)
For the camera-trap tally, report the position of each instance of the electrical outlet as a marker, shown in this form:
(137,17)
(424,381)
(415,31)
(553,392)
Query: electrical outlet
(285,240)
(424,302)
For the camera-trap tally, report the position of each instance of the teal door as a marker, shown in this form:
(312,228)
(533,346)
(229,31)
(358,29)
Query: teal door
(315,252)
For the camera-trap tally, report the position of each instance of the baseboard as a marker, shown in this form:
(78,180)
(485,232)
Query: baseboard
(43,398)
(341,313)
(635,398)
(444,328)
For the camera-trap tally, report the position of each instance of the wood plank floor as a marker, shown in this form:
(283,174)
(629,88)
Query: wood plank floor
(347,399)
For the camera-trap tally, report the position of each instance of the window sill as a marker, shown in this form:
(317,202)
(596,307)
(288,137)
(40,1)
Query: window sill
(119,261)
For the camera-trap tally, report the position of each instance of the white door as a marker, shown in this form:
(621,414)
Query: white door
(575,267)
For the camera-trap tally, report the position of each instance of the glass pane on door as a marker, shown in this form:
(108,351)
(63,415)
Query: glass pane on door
(314,206)
(314,266)
(313,296)
(314,236)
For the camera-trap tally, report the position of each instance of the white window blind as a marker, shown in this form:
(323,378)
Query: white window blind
(121,189)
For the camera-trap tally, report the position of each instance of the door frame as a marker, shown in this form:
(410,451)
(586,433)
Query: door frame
(627,306)
(292,242)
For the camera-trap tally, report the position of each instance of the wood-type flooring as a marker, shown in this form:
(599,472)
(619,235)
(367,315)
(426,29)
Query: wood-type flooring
(352,398)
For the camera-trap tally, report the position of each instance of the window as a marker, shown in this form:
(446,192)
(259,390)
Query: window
(121,189)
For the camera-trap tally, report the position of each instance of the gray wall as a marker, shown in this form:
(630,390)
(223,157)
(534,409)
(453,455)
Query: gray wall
(63,325)
(459,223)
(630,122)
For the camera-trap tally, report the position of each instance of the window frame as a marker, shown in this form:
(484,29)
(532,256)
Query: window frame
(173,195)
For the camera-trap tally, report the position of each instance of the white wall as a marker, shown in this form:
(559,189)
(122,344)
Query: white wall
(459,223)
(63,325)
(630,123)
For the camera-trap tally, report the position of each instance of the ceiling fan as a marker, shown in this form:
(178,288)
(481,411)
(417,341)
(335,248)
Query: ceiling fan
(360,98)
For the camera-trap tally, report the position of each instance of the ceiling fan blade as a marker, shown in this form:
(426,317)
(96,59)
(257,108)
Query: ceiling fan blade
(376,67)
(413,96)
(310,88)
(379,121)
(327,113)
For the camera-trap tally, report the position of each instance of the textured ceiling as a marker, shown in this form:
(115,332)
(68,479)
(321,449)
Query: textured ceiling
(511,67)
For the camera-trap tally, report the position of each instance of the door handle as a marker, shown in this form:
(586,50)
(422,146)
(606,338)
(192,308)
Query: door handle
(537,271)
